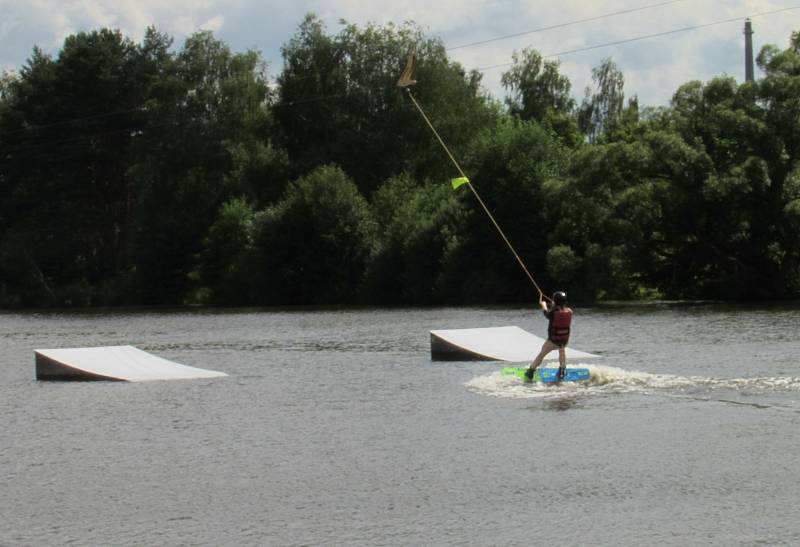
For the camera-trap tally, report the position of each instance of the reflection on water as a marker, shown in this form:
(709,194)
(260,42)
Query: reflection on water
(560,403)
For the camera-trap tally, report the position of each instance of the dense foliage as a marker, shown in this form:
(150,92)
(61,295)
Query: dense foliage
(148,174)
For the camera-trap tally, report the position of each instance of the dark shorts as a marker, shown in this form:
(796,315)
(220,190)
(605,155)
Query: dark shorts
(559,343)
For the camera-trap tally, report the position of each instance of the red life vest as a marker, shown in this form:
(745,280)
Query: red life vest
(558,330)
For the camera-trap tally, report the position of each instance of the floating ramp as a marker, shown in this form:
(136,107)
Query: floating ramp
(492,344)
(114,363)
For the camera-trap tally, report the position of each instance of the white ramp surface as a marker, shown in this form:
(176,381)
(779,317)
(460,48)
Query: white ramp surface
(122,363)
(492,344)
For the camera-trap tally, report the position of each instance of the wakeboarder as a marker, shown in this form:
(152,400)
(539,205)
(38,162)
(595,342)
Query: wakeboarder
(558,330)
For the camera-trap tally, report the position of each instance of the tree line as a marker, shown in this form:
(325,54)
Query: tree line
(143,173)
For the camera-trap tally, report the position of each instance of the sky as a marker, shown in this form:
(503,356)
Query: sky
(654,67)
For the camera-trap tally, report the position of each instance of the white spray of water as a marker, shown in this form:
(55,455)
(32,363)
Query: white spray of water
(606,379)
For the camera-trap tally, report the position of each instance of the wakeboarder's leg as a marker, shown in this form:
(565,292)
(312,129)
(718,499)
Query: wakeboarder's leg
(562,363)
(547,347)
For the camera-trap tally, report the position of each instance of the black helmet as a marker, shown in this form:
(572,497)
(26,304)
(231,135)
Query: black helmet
(560,297)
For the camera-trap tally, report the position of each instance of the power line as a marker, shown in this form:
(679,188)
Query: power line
(137,133)
(36,127)
(562,25)
(541,29)
(298,102)
(587,48)
(647,36)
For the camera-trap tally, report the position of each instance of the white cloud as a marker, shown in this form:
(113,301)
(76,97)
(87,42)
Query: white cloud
(441,15)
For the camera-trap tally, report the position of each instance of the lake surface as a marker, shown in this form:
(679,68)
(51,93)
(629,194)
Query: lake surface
(336,428)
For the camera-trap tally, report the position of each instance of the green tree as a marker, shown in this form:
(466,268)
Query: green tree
(226,263)
(536,87)
(508,165)
(537,91)
(779,94)
(208,138)
(744,252)
(338,102)
(626,212)
(414,260)
(677,202)
(314,243)
(601,108)
(68,125)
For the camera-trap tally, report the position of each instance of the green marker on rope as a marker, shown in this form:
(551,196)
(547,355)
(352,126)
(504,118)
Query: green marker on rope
(458,182)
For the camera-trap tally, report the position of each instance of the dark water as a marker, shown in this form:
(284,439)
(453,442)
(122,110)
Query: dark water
(335,428)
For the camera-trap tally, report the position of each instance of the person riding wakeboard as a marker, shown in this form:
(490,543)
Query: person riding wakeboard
(558,330)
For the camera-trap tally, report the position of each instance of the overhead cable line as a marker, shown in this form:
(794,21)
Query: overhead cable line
(36,127)
(298,102)
(132,132)
(562,25)
(647,36)
(314,99)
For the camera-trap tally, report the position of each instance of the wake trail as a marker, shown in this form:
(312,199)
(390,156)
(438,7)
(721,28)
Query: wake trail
(613,380)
